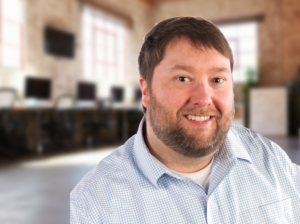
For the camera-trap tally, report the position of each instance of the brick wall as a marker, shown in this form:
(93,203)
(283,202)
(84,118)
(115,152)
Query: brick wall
(279,30)
(66,15)
(279,35)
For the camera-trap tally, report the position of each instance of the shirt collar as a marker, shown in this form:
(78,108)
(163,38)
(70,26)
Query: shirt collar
(146,162)
(232,148)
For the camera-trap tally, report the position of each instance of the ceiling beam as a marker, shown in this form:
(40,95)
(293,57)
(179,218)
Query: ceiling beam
(154,2)
(148,2)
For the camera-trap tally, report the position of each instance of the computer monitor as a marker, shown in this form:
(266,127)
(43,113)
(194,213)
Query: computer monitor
(137,94)
(86,91)
(38,88)
(117,94)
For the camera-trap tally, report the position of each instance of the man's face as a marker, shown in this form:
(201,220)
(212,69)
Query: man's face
(190,105)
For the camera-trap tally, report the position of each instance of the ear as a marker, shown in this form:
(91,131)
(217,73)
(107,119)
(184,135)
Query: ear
(145,94)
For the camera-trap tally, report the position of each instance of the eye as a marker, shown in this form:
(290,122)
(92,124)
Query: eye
(218,80)
(183,79)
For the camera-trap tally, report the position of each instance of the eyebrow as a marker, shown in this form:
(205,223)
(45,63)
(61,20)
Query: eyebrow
(220,69)
(191,69)
(182,67)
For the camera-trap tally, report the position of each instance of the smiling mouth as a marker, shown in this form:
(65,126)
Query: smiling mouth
(197,118)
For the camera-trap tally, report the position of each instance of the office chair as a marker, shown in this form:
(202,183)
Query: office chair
(12,130)
(60,127)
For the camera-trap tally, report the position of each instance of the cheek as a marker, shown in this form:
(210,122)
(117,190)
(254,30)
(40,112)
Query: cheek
(170,98)
(225,102)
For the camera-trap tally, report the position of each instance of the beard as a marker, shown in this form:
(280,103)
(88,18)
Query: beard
(175,136)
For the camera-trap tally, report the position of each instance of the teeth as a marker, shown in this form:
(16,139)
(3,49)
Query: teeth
(197,118)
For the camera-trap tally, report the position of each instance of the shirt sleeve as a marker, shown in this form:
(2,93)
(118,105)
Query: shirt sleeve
(291,168)
(77,215)
(83,211)
(297,177)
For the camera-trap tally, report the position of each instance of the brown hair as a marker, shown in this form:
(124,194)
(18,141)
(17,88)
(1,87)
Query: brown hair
(199,31)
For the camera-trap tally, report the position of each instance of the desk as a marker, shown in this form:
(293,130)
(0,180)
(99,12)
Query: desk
(32,116)
(128,120)
(125,124)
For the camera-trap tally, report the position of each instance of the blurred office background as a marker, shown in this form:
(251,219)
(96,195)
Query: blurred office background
(69,91)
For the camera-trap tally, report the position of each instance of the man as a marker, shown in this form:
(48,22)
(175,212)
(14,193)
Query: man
(187,163)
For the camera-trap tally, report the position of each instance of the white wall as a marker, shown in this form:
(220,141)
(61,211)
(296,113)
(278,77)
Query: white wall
(268,111)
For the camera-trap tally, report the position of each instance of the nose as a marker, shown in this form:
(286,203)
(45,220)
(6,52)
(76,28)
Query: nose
(201,95)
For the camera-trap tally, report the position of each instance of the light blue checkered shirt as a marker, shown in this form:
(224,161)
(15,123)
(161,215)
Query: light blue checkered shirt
(252,181)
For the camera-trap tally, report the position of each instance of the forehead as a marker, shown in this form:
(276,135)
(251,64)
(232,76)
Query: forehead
(183,51)
(183,41)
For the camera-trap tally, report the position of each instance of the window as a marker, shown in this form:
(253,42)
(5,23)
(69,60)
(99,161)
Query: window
(103,47)
(242,38)
(11,33)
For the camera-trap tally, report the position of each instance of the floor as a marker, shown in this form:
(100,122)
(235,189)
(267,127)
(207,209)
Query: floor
(37,191)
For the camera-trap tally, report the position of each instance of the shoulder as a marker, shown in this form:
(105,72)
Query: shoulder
(110,171)
(262,149)
(256,143)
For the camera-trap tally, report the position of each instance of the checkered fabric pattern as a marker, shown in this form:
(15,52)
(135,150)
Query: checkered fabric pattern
(252,181)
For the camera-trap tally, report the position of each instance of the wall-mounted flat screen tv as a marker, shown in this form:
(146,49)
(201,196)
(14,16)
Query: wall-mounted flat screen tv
(86,91)
(59,43)
(38,88)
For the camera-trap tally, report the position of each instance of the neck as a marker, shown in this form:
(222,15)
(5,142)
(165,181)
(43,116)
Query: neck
(172,159)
